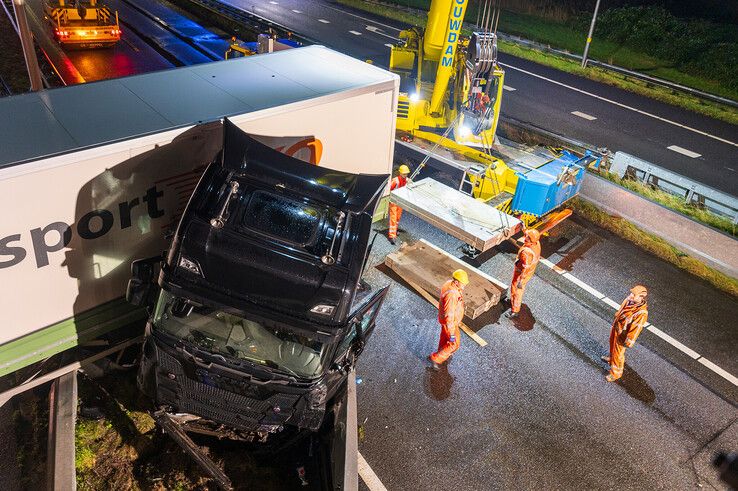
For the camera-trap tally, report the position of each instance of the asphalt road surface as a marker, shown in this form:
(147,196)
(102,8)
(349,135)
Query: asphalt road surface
(695,146)
(532,410)
(148,42)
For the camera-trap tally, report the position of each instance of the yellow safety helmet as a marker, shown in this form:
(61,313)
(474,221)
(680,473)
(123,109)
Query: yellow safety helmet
(461,276)
(532,235)
(404,169)
(639,290)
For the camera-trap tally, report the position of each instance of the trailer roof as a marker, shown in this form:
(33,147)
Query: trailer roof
(50,122)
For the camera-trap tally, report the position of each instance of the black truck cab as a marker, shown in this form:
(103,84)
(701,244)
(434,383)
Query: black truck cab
(259,309)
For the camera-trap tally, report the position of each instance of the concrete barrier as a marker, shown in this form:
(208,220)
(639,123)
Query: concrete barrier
(715,248)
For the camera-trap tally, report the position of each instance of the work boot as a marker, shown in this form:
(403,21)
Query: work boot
(605,358)
(433,365)
(392,241)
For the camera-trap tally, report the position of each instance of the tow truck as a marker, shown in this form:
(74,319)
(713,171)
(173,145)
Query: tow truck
(82,24)
(259,313)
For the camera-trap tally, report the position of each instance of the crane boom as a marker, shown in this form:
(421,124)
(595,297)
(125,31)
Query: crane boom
(452,11)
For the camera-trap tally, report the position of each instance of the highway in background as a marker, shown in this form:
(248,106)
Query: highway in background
(690,144)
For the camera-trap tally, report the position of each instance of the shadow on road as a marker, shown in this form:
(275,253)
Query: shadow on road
(636,387)
(438,382)
(525,319)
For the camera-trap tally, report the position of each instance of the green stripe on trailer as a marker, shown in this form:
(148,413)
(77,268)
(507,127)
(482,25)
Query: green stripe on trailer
(67,334)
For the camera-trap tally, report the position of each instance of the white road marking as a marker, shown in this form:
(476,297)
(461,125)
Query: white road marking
(355,33)
(583,115)
(611,303)
(297,11)
(346,12)
(377,30)
(684,151)
(584,286)
(726,375)
(729,168)
(508,88)
(368,476)
(649,327)
(324,21)
(687,351)
(624,106)
(274,3)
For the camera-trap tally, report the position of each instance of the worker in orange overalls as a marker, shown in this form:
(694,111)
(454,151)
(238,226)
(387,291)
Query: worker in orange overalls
(450,315)
(525,266)
(395,212)
(628,324)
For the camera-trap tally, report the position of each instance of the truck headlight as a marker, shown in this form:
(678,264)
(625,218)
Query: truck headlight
(190,265)
(323,309)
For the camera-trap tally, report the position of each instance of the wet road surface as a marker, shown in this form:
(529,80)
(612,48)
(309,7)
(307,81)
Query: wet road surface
(532,409)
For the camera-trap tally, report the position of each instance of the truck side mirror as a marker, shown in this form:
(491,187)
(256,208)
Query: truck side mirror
(141,286)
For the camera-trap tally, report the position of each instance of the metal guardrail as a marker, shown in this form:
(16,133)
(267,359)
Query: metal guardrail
(251,19)
(693,192)
(607,66)
(630,73)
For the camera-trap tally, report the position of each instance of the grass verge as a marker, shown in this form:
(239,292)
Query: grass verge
(655,245)
(12,63)
(675,203)
(554,34)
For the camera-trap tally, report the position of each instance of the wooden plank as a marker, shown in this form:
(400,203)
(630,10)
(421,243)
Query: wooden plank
(434,302)
(458,214)
(430,267)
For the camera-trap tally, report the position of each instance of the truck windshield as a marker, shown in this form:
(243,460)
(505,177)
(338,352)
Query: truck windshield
(236,337)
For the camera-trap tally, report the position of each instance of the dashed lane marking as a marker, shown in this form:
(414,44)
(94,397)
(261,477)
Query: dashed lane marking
(583,115)
(509,89)
(355,33)
(729,168)
(297,11)
(346,12)
(684,151)
(274,3)
(649,327)
(377,30)
(324,21)
(624,106)
(368,476)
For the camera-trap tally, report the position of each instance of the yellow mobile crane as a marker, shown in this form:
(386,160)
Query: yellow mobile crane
(450,84)
(450,95)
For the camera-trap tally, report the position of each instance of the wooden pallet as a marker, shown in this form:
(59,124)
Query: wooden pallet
(458,214)
(429,267)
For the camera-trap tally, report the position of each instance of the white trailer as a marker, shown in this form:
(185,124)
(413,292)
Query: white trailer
(93,176)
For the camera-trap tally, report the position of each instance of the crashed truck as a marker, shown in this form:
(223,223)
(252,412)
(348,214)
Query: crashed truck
(259,312)
(294,315)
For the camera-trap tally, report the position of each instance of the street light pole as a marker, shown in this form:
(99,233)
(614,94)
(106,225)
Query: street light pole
(26,38)
(589,36)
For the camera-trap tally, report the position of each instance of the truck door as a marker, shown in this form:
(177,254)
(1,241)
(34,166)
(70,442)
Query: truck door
(361,324)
